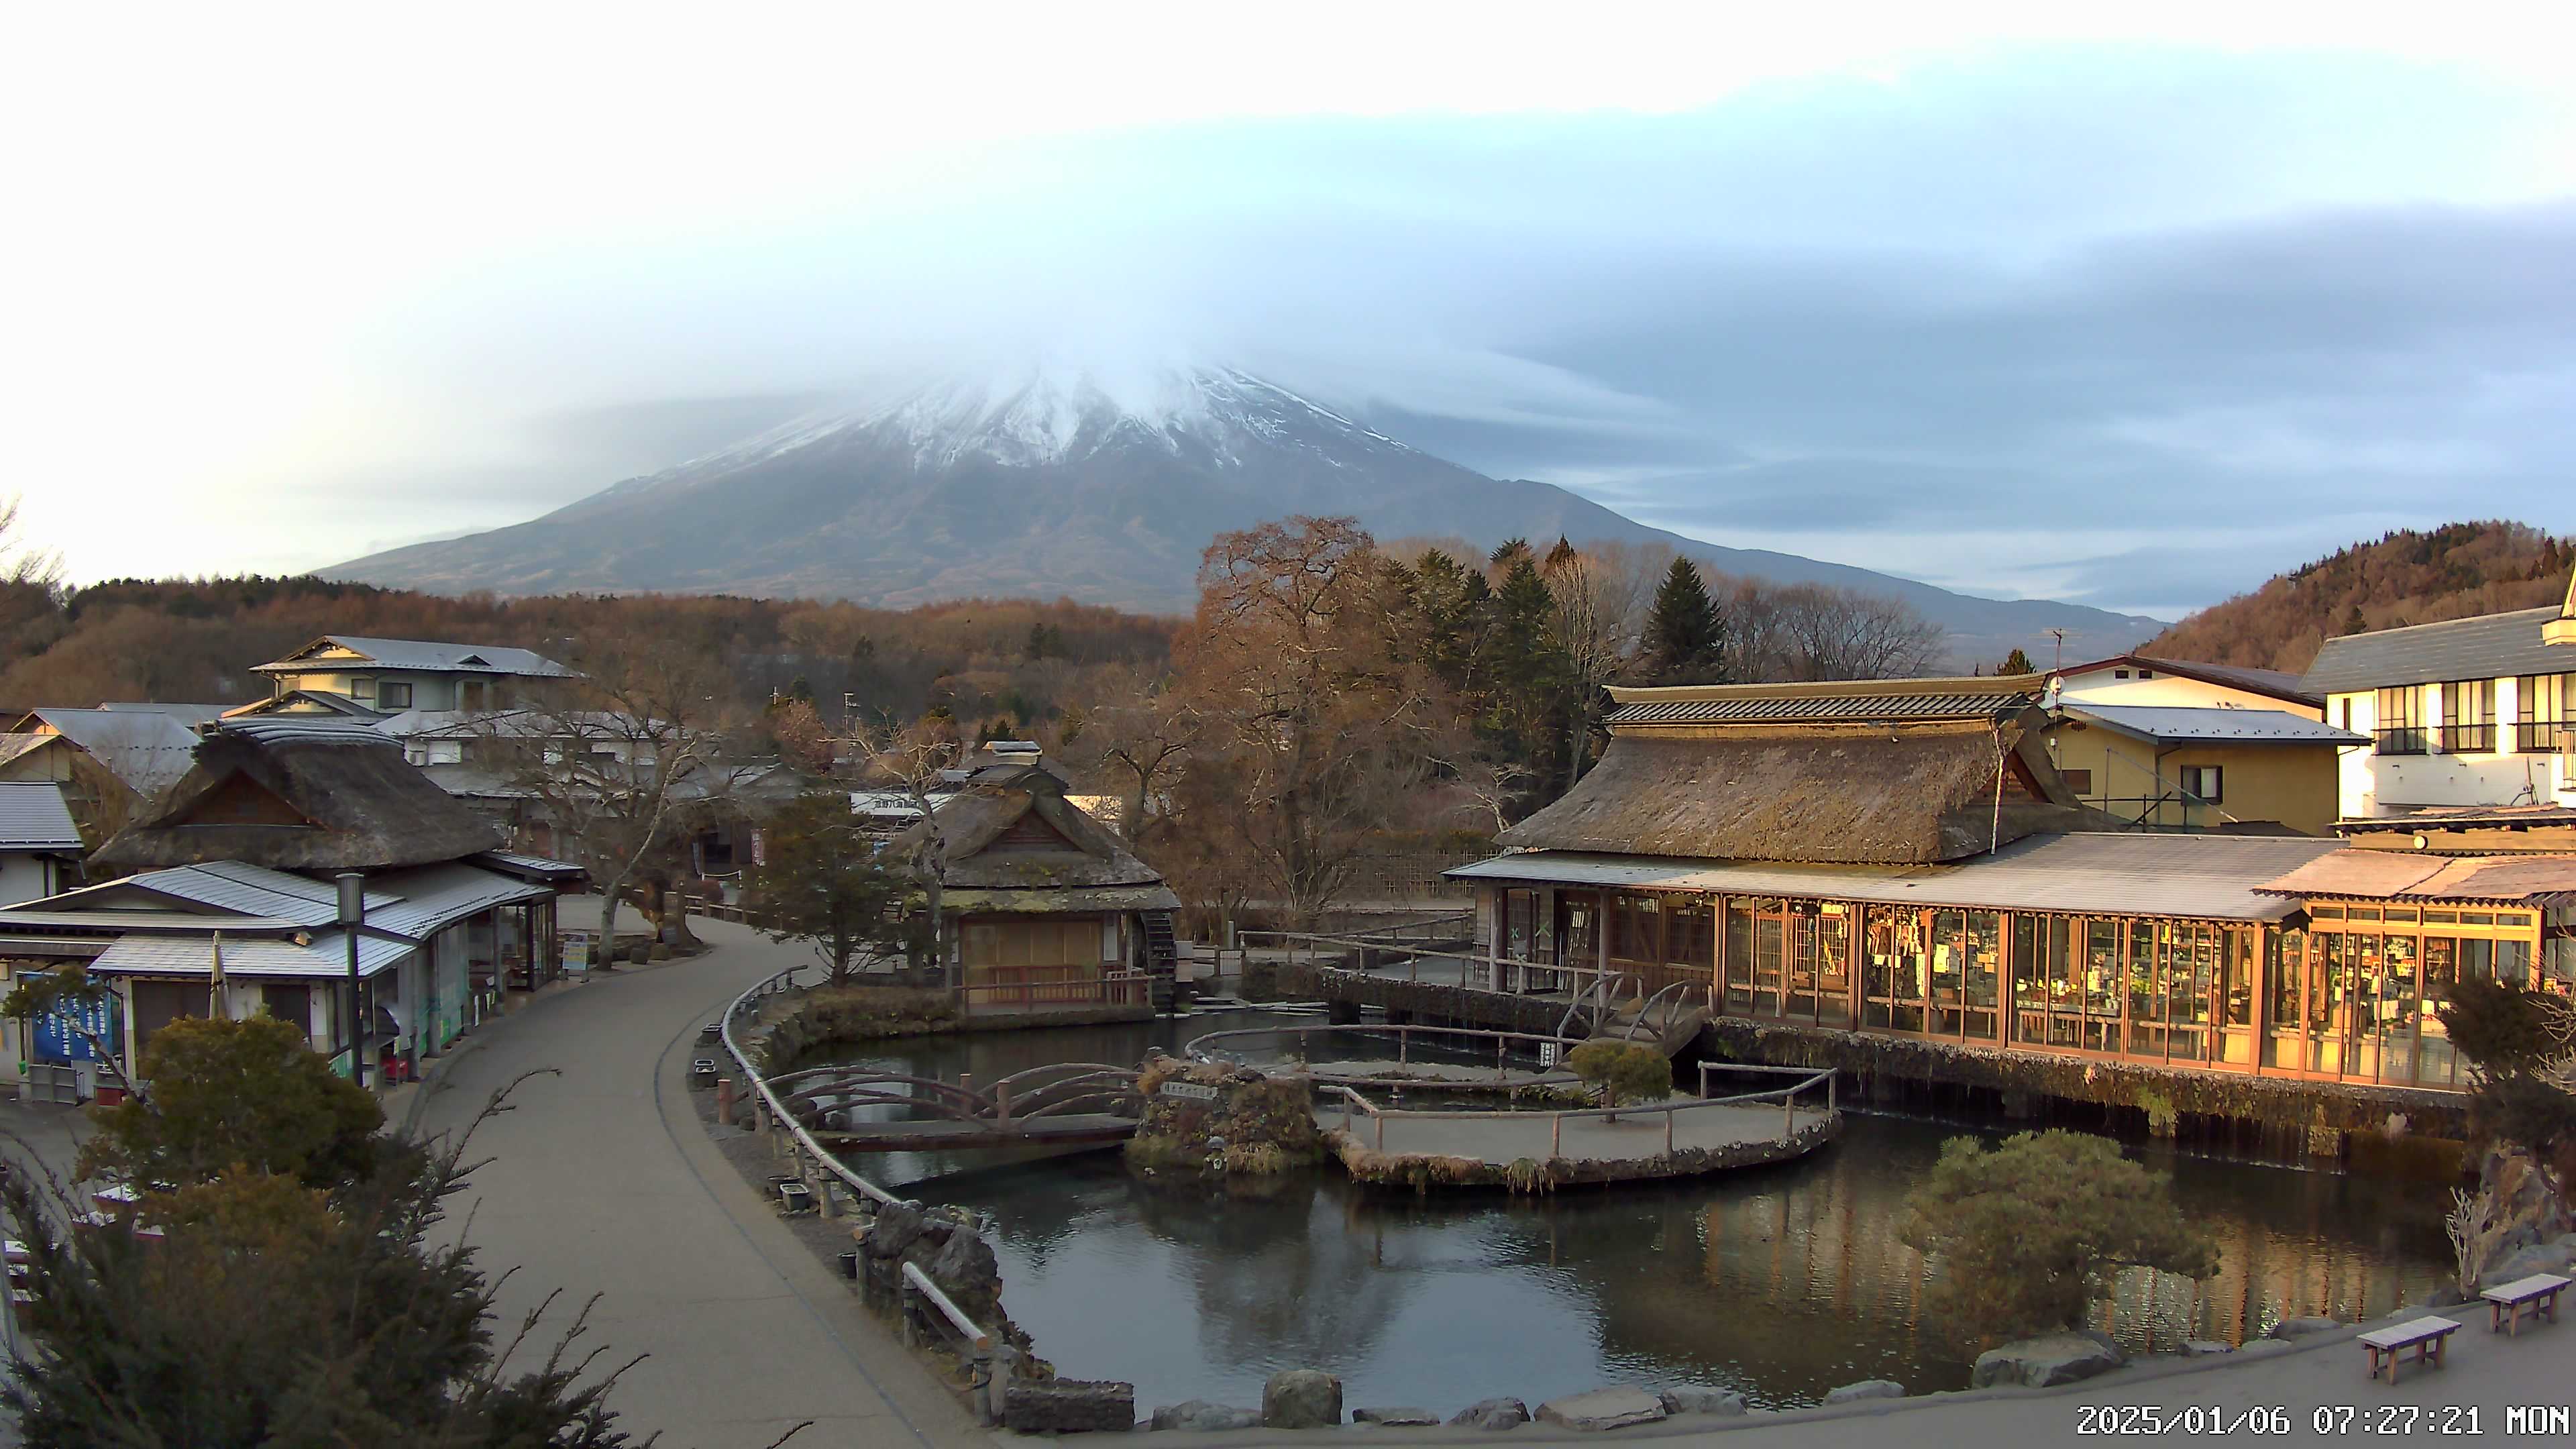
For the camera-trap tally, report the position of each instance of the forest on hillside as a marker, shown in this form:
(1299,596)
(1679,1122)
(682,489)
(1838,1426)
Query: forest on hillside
(2407,576)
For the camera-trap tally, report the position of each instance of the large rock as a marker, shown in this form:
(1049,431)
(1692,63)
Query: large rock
(1068,1406)
(1201,1416)
(965,1266)
(1301,1399)
(892,1230)
(2036,1363)
(2523,1262)
(1492,1414)
(1612,1408)
(1866,1389)
(1406,1418)
(2302,1327)
(1701,1399)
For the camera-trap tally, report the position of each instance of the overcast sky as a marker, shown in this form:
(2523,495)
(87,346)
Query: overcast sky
(2131,310)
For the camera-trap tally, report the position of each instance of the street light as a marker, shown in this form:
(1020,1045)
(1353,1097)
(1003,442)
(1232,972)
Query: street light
(353,914)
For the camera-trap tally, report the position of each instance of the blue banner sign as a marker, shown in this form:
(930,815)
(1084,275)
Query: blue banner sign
(65,1032)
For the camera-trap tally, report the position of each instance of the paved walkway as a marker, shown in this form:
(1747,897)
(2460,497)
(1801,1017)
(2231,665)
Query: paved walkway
(603,1181)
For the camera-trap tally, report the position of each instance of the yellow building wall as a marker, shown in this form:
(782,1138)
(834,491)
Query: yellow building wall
(2291,784)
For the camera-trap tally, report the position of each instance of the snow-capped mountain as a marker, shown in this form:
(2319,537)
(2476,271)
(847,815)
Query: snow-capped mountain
(1100,485)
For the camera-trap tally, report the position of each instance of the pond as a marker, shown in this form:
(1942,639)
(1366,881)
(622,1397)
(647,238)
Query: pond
(1780,1282)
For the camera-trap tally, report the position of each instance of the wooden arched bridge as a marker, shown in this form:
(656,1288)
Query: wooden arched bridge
(1063,1104)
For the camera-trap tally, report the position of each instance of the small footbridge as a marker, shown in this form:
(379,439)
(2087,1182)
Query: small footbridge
(1062,1104)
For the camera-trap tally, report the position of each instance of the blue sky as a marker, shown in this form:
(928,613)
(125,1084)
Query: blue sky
(2132,309)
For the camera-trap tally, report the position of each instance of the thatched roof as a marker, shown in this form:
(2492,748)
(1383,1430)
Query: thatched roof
(1014,830)
(1837,795)
(319,797)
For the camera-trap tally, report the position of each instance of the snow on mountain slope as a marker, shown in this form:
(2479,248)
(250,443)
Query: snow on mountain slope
(1104,486)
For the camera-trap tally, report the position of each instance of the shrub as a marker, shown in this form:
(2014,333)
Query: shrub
(1624,1071)
(2031,1234)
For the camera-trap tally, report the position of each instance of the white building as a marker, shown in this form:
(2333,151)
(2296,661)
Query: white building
(40,847)
(372,678)
(2465,713)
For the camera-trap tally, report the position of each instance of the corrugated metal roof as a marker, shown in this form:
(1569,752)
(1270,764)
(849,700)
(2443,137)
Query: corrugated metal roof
(146,750)
(2388,875)
(2200,877)
(422,654)
(536,865)
(328,956)
(2232,726)
(252,890)
(2489,646)
(1850,708)
(33,816)
(440,895)
(28,919)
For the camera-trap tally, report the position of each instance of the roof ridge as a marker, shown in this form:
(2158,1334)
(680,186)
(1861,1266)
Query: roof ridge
(2551,610)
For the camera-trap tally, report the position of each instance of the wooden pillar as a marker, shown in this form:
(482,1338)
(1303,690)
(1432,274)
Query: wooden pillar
(1717,953)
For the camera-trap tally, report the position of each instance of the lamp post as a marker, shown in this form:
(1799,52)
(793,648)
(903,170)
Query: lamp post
(353,914)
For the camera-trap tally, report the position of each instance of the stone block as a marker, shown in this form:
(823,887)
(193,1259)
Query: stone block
(1866,1389)
(1068,1406)
(1701,1399)
(1405,1418)
(2205,1348)
(2037,1363)
(1200,1416)
(1492,1414)
(1301,1399)
(1603,1409)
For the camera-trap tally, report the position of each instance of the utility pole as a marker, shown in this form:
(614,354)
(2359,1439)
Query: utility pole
(353,915)
(2060,662)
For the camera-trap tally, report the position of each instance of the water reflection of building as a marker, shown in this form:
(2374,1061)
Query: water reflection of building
(1904,860)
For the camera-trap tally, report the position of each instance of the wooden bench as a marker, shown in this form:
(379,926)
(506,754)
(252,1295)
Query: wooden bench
(2386,1345)
(2538,1292)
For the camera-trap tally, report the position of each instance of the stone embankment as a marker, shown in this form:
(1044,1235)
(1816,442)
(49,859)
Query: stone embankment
(1457,1149)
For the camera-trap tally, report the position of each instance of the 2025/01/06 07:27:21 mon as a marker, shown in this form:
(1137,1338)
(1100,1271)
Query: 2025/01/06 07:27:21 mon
(2330,1419)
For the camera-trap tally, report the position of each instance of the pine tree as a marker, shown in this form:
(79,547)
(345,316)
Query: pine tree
(2353,623)
(2016,663)
(1685,637)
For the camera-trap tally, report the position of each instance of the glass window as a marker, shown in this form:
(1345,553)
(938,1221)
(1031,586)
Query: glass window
(2325,913)
(1739,955)
(2468,716)
(393,695)
(2401,720)
(2101,986)
(2149,944)
(1687,938)
(1893,983)
(2546,705)
(2206,782)
(2436,1065)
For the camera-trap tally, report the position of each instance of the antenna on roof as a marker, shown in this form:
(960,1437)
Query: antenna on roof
(2060,636)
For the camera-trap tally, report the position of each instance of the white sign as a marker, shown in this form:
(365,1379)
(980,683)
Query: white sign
(1191,1090)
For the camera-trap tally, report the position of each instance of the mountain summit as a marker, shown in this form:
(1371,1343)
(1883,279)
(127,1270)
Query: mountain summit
(1098,485)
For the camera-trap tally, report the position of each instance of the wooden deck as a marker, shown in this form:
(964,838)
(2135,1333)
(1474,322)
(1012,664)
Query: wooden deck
(937,1135)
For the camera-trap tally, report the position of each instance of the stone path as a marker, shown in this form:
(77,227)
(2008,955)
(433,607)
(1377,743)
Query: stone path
(603,1182)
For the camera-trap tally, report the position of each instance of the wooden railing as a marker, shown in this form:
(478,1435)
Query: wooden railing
(1556,1120)
(1108,988)
(1198,1048)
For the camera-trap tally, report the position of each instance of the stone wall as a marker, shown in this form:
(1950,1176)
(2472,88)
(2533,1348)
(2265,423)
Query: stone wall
(1265,1124)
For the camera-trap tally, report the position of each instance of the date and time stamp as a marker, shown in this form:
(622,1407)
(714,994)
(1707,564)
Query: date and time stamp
(2324,1421)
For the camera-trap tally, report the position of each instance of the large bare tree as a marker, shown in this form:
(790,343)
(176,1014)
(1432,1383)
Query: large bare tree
(1316,731)
(1136,742)
(618,760)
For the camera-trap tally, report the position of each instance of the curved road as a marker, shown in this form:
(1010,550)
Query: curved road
(603,1181)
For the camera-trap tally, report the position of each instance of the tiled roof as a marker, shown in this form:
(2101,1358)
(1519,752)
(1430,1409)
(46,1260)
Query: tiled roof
(439,895)
(2226,726)
(2201,877)
(2489,646)
(2458,817)
(426,654)
(1849,709)
(34,817)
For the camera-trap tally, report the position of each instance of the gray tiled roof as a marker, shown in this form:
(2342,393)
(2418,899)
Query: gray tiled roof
(2489,646)
(146,750)
(2204,877)
(1848,708)
(423,654)
(2237,726)
(34,817)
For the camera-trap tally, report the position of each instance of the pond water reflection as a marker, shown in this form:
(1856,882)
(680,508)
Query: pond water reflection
(1782,1282)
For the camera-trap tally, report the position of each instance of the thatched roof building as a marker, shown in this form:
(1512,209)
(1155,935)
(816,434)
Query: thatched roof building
(300,796)
(1013,842)
(1900,772)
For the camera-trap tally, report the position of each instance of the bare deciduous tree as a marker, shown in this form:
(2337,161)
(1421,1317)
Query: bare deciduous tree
(1136,741)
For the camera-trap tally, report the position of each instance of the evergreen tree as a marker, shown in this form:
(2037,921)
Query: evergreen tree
(2016,663)
(2353,623)
(1685,636)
